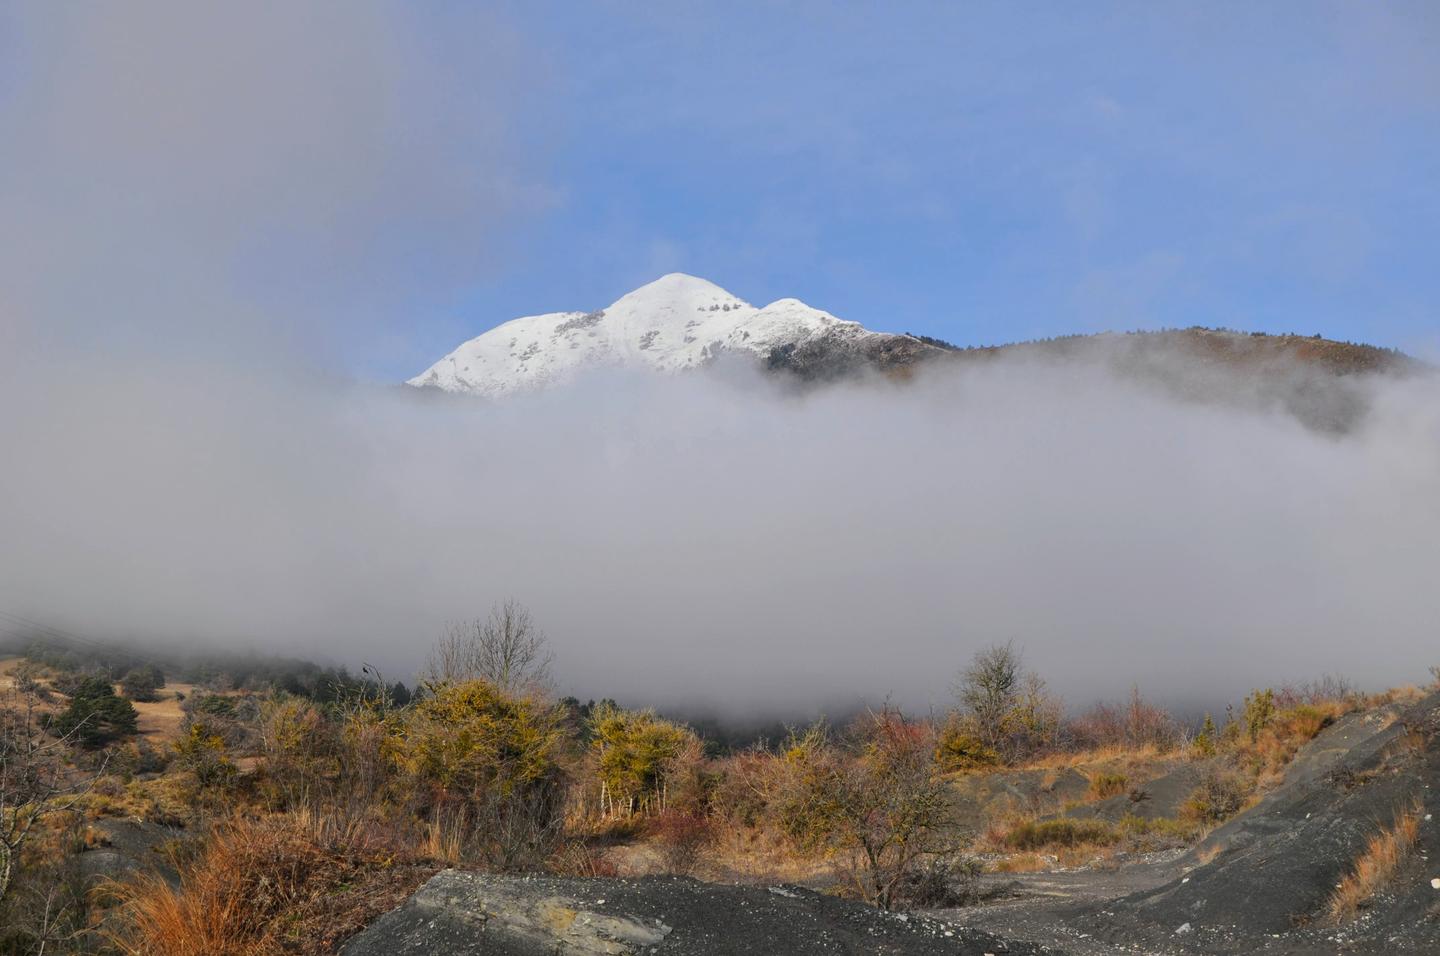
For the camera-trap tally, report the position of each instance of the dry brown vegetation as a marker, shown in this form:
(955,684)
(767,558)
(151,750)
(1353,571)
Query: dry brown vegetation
(275,886)
(306,816)
(1373,869)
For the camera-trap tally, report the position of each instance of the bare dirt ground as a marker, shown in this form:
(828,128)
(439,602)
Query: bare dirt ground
(1037,907)
(7,672)
(160,720)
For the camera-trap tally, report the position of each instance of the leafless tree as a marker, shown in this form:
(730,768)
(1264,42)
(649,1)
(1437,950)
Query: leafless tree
(506,649)
(875,800)
(988,689)
(34,782)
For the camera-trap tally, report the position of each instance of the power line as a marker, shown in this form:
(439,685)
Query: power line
(21,626)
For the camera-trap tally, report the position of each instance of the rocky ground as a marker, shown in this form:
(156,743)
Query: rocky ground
(470,913)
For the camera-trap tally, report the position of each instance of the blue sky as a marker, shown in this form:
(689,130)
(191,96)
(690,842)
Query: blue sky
(991,172)
(389,179)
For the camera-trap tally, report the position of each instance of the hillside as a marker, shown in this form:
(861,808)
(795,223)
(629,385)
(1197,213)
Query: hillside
(676,322)
(680,322)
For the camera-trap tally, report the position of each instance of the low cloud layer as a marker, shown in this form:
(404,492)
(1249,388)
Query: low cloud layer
(704,539)
(212,219)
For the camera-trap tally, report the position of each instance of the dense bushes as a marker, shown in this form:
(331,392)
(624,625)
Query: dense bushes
(142,684)
(1003,709)
(493,762)
(637,759)
(203,753)
(871,797)
(959,748)
(1133,724)
(95,716)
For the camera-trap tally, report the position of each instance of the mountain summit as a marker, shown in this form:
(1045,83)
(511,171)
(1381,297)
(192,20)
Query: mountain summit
(676,322)
(681,322)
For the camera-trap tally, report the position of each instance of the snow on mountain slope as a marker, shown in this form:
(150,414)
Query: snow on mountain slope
(675,322)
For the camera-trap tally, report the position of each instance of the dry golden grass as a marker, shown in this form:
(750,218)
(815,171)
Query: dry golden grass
(747,853)
(1028,862)
(1114,756)
(1105,785)
(1405,694)
(1373,869)
(1266,758)
(1061,833)
(159,720)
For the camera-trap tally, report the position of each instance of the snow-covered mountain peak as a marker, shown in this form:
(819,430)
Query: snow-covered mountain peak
(677,291)
(676,322)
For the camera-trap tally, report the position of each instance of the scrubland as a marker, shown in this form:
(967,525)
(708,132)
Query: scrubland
(272,816)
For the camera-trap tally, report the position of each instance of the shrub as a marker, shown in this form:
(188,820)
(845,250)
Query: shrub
(941,883)
(1148,834)
(1104,785)
(988,689)
(506,650)
(1204,743)
(1131,724)
(636,756)
(233,718)
(876,801)
(211,705)
(142,684)
(1061,832)
(204,754)
(494,758)
(1220,795)
(959,748)
(1258,711)
(682,839)
(1009,709)
(579,858)
(95,716)
(139,756)
(298,744)
(746,786)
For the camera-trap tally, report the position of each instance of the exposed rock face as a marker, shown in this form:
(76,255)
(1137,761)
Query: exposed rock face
(469,913)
